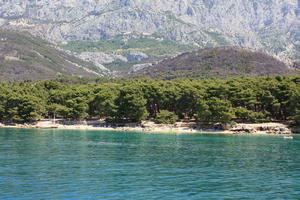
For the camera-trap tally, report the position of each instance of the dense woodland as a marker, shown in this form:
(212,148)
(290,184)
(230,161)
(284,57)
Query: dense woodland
(123,100)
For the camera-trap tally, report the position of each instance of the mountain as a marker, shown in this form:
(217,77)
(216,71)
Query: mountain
(23,56)
(121,55)
(219,62)
(271,25)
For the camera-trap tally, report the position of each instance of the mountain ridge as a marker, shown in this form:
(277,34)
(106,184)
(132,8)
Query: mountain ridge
(118,36)
(23,56)
(270,25)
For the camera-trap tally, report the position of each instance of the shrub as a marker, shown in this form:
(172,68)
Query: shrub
(166,117)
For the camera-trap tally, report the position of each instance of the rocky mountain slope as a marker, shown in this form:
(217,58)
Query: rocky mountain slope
(23,56)
(272,25)
(218,62)
(121,55)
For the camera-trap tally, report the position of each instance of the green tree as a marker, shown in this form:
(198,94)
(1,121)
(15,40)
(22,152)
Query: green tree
(152,94)
(2,105)
(55,110)
(189,95)
(170,94)
(78,108)
(103,102)
(131,104)
(246,115)
(215,110)
(166,117)
(23,108)
(70,102)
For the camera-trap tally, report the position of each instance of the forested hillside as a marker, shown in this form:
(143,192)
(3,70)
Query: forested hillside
(218,62)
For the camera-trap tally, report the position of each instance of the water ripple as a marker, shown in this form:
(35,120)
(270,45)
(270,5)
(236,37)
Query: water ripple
(111,165)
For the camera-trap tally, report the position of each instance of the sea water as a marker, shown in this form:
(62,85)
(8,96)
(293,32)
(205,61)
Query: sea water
(69,164)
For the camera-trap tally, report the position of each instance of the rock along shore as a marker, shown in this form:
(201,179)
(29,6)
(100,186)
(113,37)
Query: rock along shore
(148,126)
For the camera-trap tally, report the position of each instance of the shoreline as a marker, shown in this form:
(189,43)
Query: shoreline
(150,127)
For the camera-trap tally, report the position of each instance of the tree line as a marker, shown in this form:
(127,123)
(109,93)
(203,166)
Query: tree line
(260,99)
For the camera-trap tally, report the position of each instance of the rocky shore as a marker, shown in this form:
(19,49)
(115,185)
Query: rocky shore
(148,126)
(268,128)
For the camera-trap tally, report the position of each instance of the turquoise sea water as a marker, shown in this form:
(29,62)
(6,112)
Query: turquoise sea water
(61,164)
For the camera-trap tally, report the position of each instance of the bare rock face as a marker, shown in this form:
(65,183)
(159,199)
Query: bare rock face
(135,56)
(139,67)
(268,128)
(102,58)
(271,25)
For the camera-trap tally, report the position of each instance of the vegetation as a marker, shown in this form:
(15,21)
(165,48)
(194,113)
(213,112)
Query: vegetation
(154,46)
(148,45)
(132,100)
(166,117)
(24,56)
(220,62)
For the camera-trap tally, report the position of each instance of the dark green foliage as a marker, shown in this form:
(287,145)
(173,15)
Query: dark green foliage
(57,110)
(166,117)
(23,108)
(131,104)
(103,102)
(297,118)
(2,105)
(121,100)
(245,115)
(69,102)
(215,110)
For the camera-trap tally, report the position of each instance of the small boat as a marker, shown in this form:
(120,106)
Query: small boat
(288,137)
